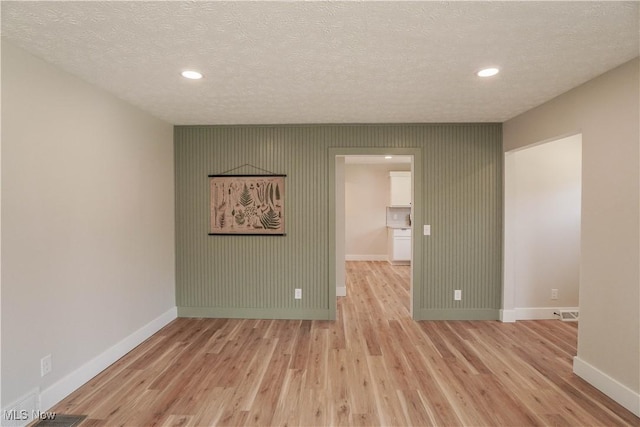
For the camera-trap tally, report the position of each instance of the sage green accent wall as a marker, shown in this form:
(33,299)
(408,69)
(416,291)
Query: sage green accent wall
(460,177)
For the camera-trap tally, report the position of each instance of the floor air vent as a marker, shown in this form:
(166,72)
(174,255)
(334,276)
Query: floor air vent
(60,420)
(568,315)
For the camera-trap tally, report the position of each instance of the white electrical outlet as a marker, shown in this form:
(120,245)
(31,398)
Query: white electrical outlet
(297,293)
(554,294)
(457,294)
(45,365)
(426,230)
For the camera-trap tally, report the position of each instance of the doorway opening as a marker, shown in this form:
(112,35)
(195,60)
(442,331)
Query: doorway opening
(542,230)
(363,221)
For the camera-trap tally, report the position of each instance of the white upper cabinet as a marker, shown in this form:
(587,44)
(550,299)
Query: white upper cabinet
(400,188)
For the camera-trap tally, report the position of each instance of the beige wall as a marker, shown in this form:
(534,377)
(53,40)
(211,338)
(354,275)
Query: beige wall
(87,225)
(367,189)
(606,111)
(547,225)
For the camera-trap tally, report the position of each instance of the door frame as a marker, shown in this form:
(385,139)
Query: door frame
(417,212)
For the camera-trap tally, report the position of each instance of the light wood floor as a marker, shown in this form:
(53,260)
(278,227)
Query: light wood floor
(373,366)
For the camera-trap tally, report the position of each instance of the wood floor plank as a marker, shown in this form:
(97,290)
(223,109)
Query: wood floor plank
(372,366)
(237,356)
(302,346)
(286,333)
(137,411)
(118,402)
(416,409)
(338,388)
(463,351)
(336,331)
(317,366)
(268,394)
(611,407)
(210,412)
(442,409)
(361,388)
(396,361)
(286,412)
(388,405)
(254,373)
(313,408)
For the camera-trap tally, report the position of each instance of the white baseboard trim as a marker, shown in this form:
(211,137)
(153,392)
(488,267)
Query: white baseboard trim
(341,291)
(22,411)
(609,386)
(539,313)
(372,257)
(507,316)
(65,386)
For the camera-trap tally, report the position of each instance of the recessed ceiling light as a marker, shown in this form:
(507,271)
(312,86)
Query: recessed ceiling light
(488,72)
(193,75)
(388,157)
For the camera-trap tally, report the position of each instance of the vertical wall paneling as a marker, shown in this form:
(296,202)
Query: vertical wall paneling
(458,185)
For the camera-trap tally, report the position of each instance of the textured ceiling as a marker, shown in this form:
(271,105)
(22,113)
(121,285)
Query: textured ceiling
(329,62)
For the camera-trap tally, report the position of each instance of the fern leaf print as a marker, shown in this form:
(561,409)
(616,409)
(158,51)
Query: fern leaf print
(270,220)
(245,197)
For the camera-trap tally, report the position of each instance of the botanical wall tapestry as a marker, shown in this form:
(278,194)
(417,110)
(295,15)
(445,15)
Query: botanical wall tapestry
(247,204)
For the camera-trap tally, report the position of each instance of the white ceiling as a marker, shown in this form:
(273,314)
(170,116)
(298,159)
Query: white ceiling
(329,62)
